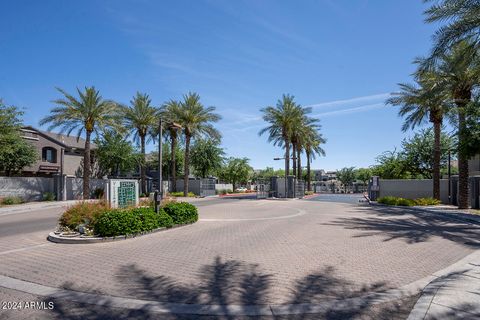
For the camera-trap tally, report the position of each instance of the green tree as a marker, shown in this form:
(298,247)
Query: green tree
(15,152)
(459,74)
(140,117)
(170,111)
(463,23)
(391,165)
(312,143)
(115,154)
(167,161)
(236,170)
(281,120)
(363,174)
(196,121)
(207,157)
(346,176)
(417,153)
(419,103)
(88,113)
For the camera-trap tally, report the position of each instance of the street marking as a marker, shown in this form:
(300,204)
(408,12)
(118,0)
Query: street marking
(24,248)
(300,212)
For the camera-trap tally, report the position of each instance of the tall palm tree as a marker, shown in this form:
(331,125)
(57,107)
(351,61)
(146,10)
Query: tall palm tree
(463,23)
(312,145)
(170,112)
(302,128)
(423,102)
(88,113)
(139,118)
(459,71)
(196,121)
(281,119)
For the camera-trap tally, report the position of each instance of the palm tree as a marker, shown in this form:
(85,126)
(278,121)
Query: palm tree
(140,117)
(281,119)
(419,103)
(88,113)
(463,19)
(459,71)
(196,121)
(304,127)
(312,145)
(170,112)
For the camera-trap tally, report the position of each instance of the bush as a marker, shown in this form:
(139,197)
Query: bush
(98,193)
(82,213)
(405,202)
(308,193)
(11,200)
(130,221)
(48,196)
(388,200)
(427,202)
(181,212)
(180,194)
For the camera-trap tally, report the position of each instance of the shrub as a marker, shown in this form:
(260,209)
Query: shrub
(405,202)
(130,221)
(98,193)
(181,212)
(12,200)
(388,200)
(180,194)
(82,213)
(427,202)
(48,196)
(308,193)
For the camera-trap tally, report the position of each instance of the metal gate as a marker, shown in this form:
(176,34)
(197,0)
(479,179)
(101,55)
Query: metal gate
(299,189)
(207,187)
(263,189)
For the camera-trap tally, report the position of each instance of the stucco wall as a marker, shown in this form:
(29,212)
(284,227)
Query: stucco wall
(28,188)
(71,163)
(74,187)
(412,189)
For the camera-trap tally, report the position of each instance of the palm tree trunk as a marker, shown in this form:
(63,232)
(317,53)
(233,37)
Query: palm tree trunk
(299,164)
(437,129)
(186,165)
(309,187)
(463,198)
(174,164)
(294,160)
(86,167)
(287,158)
(143,175)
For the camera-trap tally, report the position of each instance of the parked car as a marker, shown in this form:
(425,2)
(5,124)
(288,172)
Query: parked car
(241,189)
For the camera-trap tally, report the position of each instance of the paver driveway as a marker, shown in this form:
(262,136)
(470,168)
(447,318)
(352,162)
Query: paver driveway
(257,252)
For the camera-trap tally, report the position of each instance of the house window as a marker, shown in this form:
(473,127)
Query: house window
(49,155)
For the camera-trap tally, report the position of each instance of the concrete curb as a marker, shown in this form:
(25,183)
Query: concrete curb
(455,215)
(86,240)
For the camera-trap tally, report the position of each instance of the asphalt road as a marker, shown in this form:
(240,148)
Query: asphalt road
(31,222)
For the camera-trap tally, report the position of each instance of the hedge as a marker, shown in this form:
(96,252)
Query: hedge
(181,212)
(130,221)
(396,201)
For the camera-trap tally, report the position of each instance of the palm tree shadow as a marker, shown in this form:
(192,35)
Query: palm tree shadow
(226,283)
(411,226)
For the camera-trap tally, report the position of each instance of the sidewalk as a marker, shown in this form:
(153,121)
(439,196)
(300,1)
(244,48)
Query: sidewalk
(454,294)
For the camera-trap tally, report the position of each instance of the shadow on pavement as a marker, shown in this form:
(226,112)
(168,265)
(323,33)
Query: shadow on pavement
(236,282)
(411,226)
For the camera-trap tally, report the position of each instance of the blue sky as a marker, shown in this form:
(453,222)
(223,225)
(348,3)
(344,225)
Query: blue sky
(341,57)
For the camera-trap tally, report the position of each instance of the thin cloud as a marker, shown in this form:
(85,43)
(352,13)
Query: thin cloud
(367,107)
(374,97)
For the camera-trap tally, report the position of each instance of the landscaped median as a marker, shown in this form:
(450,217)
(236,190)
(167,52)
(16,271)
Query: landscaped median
(88,222)
(404,202)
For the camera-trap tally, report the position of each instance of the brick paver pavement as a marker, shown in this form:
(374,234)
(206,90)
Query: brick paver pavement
(284,252)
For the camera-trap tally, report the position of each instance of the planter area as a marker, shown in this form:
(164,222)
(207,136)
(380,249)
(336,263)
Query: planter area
(96,222)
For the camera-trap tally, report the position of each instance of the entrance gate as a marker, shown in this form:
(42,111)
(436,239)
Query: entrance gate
(263,189)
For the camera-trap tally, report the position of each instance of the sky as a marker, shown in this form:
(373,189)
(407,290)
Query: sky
(341,57)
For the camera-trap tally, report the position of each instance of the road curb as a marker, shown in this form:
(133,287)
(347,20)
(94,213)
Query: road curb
(87,240)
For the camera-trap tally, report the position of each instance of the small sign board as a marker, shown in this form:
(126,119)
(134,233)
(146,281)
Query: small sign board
(123,193)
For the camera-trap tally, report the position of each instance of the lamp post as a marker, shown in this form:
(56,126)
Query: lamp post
(286,185)
(159,192)
(449,178)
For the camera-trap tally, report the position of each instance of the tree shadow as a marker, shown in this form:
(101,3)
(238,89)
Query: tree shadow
(411,226)
(234,282)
